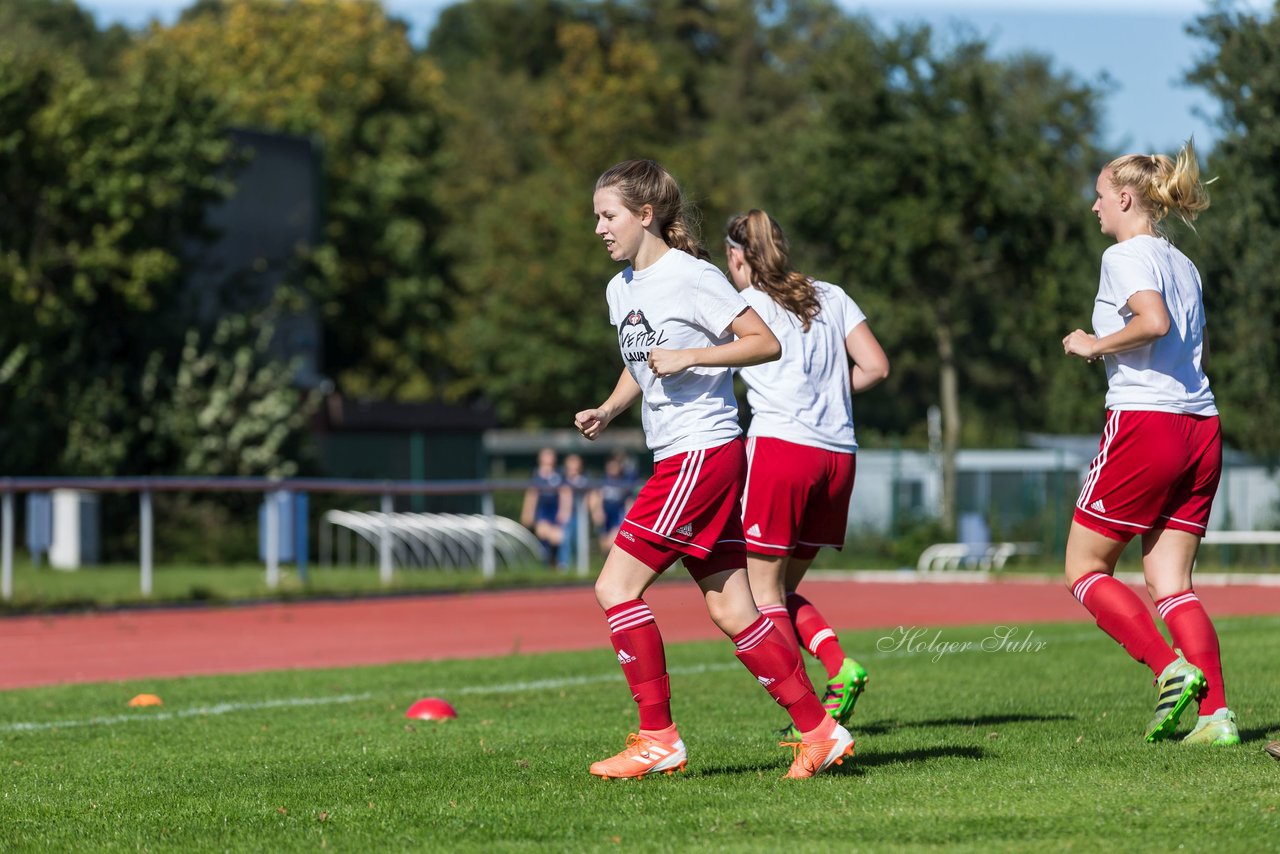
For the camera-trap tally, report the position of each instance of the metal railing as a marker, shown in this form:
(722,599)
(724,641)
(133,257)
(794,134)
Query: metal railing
(145,487)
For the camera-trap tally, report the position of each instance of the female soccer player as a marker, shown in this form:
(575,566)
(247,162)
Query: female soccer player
(801,446)
(681,327)
(1158,466)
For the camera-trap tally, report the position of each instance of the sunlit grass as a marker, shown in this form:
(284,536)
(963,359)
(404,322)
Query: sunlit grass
(1029,749)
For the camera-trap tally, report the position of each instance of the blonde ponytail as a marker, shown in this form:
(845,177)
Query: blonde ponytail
(1163,185)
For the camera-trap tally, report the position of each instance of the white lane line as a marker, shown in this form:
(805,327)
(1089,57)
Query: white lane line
(572,681)
(197,712)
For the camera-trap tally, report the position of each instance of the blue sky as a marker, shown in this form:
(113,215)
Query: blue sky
(1138,46)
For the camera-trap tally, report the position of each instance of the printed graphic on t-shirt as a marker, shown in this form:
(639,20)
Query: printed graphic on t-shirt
(636,337)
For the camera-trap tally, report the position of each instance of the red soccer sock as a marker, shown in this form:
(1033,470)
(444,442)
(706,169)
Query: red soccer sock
(823,730)
(781,620)
(638,643)
(815,633)
(1120,613)
(1193,633)
(670,735)
(779,668)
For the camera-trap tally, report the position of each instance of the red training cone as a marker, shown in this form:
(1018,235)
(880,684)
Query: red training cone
(431,709)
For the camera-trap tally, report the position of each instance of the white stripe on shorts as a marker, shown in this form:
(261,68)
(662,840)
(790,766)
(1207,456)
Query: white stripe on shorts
(1095,468)
(690,468)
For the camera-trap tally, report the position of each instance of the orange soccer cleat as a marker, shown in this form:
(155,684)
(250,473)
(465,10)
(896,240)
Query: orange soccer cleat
(814,756)
(643,755)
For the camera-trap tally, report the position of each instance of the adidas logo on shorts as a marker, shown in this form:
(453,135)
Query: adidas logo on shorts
(753,531)
(1097,505)
(625,657)
(685,530)
(628,536)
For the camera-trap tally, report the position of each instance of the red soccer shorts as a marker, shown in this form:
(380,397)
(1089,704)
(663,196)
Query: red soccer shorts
(797,497)
(690,508)
(1153,470)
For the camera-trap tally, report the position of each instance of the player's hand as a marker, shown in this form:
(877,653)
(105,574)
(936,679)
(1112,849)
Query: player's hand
(1080,343)
(665,363)
(590,422)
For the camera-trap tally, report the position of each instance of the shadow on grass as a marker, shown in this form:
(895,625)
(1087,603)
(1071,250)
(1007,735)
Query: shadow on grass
(918,754)
(767,769)
(855,763)
(882,727)
(1259,733)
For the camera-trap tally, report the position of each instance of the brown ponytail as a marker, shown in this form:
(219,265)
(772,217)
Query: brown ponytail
(644,182)
(766,250)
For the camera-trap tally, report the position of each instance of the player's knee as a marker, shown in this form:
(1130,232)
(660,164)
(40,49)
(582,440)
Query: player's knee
(732,618)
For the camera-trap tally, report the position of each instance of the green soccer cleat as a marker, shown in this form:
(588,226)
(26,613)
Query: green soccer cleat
(1218,730)
(788,733)
(841,693)
(843,690)
(1176,686)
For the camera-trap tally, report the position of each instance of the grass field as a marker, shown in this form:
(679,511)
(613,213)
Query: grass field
(44,589)
(1036,747)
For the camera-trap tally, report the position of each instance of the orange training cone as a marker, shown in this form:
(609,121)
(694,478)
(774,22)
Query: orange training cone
(146,700)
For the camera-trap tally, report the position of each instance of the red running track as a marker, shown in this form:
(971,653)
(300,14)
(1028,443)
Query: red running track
(99,647)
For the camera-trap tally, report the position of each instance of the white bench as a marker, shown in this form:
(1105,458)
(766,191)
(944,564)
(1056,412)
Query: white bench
(1241,538)
(952,556)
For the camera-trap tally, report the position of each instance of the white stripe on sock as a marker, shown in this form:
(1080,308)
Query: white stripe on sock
(756,637)
(1164,608)
(816,640)
(1082,585)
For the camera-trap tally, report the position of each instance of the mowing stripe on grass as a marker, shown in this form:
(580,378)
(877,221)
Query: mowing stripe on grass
(199,711)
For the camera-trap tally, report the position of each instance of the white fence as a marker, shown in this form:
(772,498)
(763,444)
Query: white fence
(486,538)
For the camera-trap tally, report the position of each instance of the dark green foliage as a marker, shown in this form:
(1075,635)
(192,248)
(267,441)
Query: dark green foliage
(1238,244)
(946,189)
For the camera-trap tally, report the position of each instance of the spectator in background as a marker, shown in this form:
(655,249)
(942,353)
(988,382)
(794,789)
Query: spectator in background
(572,494)
(543,503)
(610,503)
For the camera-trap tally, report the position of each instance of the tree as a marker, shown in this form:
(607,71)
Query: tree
(100,183)
(346,73)
(61,25)
(1239,237)
(532,333)
(532,123)
(945,190)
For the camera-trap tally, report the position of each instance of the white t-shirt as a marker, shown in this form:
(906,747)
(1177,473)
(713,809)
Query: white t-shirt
(805,397)
(1165,375)
(678,303)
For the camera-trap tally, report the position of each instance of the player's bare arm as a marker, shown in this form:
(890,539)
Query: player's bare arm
(870,364)
(754,343)
(591,421)
(1150,322)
